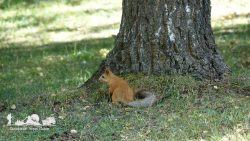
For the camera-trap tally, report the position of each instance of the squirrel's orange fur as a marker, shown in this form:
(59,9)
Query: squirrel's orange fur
(118,88)
(121,91)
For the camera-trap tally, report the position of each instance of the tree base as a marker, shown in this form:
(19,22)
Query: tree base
(165,38)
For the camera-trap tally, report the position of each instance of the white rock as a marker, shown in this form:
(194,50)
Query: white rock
(73,131)
(13,107)
(86,107)
(61,117)
(216,87)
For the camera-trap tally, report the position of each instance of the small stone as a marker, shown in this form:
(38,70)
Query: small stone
(53,95)
(13,107)
(73,131)
(205,132)
(61,117)
(127,109)
(216,87)
(38,68)
(86,107)
(40,74)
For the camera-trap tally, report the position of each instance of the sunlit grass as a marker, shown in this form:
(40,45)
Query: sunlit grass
(231,20)
(232,37)
(45,23)
(222,8)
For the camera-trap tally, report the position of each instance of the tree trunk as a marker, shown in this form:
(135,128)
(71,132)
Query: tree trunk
(165,37)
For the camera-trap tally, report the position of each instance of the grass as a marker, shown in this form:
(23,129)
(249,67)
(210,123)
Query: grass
(233,42)
(43,60)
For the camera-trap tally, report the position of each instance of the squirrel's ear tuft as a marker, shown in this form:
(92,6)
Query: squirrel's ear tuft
(107,70)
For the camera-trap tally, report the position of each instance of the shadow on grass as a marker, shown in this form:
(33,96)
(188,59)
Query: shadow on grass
(35,70)
(41,70)
(28,72)
(104,27)
(42,79)
(242,30)
(233,43)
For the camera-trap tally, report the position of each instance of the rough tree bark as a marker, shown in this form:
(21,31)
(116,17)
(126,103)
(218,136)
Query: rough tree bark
(165,37)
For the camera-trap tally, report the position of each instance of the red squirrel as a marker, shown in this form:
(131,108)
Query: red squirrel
(121,91)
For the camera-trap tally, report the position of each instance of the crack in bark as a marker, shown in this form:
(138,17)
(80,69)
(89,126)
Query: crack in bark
(166,37)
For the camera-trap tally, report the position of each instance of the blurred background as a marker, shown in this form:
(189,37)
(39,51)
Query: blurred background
(38,22)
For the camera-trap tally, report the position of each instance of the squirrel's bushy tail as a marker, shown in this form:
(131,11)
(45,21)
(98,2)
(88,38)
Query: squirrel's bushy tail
(146,99)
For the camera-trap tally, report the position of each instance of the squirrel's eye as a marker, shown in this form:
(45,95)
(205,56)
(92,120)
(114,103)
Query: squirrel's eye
(102,76)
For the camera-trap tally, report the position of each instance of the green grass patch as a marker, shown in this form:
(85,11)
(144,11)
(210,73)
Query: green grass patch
(47,52)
